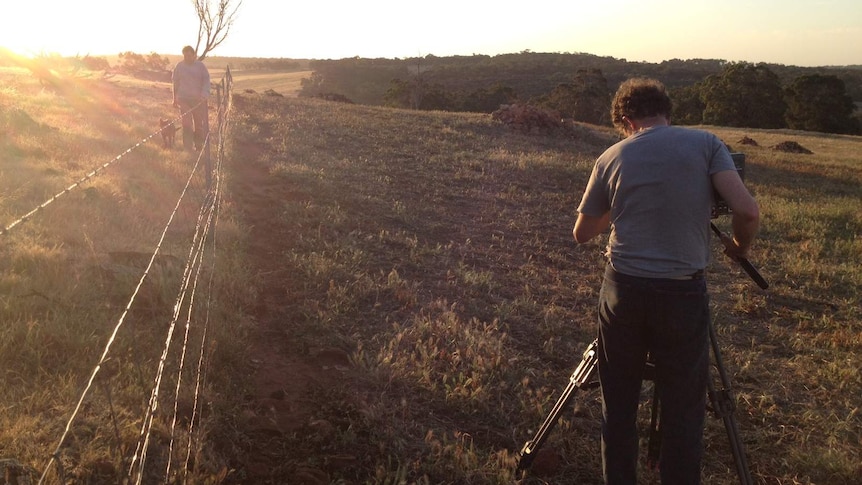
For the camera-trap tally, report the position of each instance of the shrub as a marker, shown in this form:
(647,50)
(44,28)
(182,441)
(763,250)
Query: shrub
(528,118)
(133,62)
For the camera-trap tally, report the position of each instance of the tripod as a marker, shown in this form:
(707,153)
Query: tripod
(722,401)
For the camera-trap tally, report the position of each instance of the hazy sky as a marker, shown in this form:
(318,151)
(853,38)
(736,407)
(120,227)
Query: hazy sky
(803,33)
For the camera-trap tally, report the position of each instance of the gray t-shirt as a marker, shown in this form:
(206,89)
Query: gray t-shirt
(657,186)
(191,81)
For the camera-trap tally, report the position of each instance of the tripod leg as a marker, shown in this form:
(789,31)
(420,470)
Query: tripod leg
(654,444)
(724,405)
(580,379)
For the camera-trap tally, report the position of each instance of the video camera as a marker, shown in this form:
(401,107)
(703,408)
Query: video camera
(720,207)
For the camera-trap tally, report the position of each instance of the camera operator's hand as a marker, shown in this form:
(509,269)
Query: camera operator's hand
(732,248)
(739,253)
(745,214)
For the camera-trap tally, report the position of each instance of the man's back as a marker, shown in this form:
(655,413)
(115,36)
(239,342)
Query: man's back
(656,185)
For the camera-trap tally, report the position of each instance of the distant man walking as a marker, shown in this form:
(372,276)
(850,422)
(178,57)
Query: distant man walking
(191,87)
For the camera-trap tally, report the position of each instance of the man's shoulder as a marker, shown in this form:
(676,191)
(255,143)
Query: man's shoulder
(194,65)
(692,131)
(199,65)
(677,129)
(685,134)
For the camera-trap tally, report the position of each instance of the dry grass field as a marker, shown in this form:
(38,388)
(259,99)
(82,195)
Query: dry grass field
(432,252)
(284,83)
(399,298)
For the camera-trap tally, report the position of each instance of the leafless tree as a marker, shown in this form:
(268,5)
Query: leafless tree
(216,18)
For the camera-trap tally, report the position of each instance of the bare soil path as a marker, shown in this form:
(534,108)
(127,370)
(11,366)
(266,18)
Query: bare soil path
(282,380)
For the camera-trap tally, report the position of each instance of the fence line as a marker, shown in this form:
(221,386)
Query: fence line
(224,107)
(212,218)
(119,324)
(204,231)
(146,428)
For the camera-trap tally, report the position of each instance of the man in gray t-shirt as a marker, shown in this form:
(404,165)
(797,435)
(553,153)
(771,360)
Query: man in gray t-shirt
(656,185)
(654,190)
(191,89)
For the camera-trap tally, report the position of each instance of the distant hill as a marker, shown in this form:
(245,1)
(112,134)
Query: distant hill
(530,73)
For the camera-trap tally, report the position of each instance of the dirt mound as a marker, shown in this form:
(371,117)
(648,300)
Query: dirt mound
(791,147)
(748,141)
(528,118)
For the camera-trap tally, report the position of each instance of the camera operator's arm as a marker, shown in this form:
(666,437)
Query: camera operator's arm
(588,227)
(745,214)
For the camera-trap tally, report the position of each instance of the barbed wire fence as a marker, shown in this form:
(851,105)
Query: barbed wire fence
(187,332)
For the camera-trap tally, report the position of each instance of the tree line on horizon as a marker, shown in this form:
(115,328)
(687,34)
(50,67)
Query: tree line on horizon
(574,86)
(580,87)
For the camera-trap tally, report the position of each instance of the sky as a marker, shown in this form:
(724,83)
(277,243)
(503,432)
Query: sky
(791,32)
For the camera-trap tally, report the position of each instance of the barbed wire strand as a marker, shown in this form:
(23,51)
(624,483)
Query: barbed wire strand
(140,452)
(196,263)
(87,177)
(206,233)
(115,332)
(191,262)
(199,373)
(224,110)
(212,223)
(201,251)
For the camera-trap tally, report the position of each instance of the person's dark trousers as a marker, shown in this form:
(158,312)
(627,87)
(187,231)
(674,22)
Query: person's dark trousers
(669,320)
(195,122)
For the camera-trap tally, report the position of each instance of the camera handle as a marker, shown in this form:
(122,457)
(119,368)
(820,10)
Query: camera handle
(746,265)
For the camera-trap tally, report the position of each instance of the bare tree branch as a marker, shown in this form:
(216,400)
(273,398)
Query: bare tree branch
(214,25)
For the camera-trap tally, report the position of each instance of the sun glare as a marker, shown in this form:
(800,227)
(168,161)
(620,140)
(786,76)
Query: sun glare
(22,35)
(94,27)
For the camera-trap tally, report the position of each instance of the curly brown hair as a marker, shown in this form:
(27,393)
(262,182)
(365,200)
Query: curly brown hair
(639,98)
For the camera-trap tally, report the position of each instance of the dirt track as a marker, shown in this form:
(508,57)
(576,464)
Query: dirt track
(282,380)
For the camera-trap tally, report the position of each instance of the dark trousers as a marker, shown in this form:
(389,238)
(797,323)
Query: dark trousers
(195,123)
(669,320)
